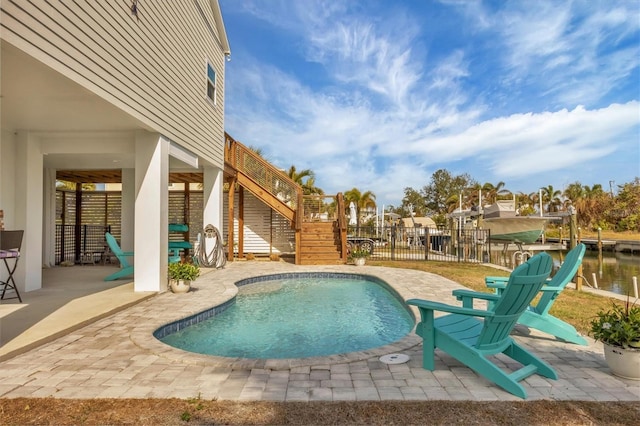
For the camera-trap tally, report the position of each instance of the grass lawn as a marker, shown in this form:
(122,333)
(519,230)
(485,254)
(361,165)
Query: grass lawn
(575,307)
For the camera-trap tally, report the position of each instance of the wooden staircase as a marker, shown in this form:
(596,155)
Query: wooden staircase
(319,244)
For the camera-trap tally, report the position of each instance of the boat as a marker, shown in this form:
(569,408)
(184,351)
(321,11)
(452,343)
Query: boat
(523,230)
(504,224)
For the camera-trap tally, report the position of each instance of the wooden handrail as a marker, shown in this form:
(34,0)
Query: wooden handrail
(271,179)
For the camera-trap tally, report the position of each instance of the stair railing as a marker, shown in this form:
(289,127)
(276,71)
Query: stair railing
(271,179)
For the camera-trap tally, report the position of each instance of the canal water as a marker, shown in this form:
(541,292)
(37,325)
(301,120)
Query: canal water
(613,271)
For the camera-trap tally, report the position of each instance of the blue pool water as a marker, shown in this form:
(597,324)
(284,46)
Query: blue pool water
(298,316)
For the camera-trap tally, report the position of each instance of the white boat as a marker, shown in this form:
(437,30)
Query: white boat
(502,221)
(519,229)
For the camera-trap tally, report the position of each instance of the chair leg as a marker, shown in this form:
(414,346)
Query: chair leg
(428,355)
(487,369)
(524,357)
(10,283)
(124,272)
(553,326)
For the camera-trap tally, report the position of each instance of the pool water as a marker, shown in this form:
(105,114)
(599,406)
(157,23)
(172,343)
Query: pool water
(301,317)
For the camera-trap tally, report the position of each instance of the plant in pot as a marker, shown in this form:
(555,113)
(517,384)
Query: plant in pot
(359,256)
(180,276)
(619,330)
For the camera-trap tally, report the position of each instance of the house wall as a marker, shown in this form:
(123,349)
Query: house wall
(265,231)
(152,66)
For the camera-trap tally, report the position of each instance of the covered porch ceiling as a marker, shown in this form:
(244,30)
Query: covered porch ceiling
(115,176)
(41,100)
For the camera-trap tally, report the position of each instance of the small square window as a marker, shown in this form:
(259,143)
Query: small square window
(211,83)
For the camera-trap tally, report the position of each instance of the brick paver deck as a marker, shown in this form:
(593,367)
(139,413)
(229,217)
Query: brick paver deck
(117,357)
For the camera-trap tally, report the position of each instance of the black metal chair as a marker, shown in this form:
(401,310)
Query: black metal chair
(10,244)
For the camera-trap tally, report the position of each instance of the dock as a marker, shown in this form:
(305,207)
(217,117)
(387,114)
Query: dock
(627,246)
(548,246)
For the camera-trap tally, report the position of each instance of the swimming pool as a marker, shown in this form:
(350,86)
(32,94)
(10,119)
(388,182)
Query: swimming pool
(296,315)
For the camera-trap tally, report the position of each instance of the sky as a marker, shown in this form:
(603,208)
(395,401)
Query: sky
(379,95)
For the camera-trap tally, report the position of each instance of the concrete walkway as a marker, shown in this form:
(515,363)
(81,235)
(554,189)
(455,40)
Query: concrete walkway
(117,357)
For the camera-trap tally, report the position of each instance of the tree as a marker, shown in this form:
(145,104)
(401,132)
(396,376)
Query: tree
(551,198)
(491,192)
(442,188)
(362,200)
(626,209)
(71,186)
(574,192)
(591,207)
(414,199)
(525,204)
(306,179)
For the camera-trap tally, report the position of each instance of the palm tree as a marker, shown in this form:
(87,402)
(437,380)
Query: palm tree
(491,192)
(526,203)
(574,192)
(362,200)
(551,197)
(471,196)
(591,208)
(306,179)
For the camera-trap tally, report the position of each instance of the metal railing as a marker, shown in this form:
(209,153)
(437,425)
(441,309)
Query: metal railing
(319,208)
(396,242)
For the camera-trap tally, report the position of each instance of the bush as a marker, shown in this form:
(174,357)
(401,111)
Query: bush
(183,271)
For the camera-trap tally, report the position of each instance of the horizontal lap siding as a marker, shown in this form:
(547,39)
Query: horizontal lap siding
(153,68)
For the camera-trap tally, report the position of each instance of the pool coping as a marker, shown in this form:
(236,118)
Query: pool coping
(144,336)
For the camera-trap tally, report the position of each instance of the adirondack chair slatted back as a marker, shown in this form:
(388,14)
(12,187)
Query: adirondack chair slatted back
(116,250)
(524,284)
(565,274)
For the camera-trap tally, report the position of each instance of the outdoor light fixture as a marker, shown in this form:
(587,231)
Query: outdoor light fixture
(134,9)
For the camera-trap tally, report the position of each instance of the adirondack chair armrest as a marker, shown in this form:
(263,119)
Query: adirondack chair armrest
(467,297)
(443,307)
(551,289)
(496,282)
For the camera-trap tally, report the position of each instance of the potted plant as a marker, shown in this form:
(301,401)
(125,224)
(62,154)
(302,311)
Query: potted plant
(359,256)
(619,330)
(180,276)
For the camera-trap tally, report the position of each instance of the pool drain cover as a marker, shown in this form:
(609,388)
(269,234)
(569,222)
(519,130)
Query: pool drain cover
(394,358)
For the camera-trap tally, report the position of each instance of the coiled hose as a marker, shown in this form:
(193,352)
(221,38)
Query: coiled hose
(214,258)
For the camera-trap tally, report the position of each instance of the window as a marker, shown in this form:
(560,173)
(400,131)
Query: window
(211,83)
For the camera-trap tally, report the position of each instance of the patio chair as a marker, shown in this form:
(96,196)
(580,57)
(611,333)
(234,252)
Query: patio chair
(537,315)
(126,269)
(10,244)
(176,246)
(474,342)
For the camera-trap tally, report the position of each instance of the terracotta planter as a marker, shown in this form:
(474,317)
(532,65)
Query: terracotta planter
(180,286)
(623,362)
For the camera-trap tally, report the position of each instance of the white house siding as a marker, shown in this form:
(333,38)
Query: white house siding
(265,231)
(153,67)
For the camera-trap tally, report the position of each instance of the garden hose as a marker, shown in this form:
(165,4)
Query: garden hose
(214,258)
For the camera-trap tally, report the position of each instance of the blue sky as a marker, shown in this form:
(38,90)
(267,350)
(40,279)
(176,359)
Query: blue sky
(378,95)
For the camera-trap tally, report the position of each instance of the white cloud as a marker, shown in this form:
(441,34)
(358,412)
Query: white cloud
(386,112)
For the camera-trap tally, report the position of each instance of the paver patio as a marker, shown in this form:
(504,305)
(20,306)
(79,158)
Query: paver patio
(117,357)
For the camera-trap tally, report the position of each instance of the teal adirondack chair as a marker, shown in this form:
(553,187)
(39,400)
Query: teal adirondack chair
(126,269)
(537,315)
(474,342)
